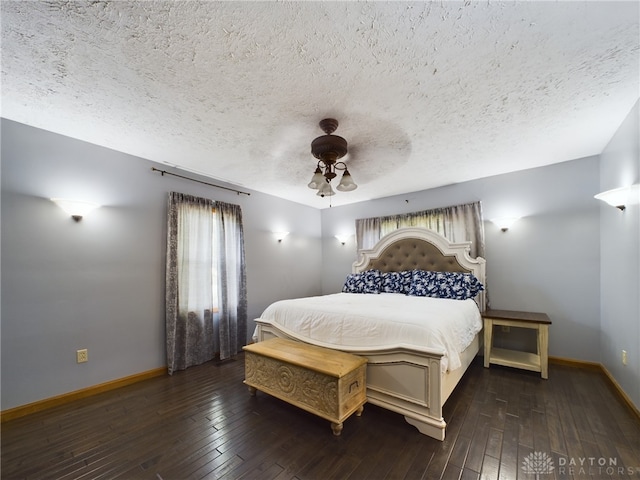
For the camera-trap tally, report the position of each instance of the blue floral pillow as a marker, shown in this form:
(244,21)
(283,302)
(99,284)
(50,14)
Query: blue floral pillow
(396,282)
(365,282)
(454,285)
(423,284)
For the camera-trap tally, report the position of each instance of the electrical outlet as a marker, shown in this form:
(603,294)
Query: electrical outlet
(82,356)
(624,357)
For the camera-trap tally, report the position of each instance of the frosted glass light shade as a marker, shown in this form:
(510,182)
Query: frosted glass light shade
(325,190)
(504,223)
(317,179)
(621,197)
(280,235)
(346,183)
(343,238)
(75,208)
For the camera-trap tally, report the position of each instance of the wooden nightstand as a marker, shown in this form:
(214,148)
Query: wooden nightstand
(511,358)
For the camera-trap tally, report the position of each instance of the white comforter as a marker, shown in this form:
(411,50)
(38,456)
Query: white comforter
(352,322)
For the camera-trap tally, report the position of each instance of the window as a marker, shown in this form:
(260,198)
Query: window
(197,259)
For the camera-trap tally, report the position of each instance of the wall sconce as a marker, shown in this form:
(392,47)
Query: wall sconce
(505,223)
(280,235)
(343,238)
(621,197)
(76,208)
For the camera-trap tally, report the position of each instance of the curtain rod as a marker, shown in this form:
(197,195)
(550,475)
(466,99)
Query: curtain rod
(163,172)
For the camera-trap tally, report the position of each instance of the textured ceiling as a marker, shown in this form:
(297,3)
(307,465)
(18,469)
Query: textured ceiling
(426,93)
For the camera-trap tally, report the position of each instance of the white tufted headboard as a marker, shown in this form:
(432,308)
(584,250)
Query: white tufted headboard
(421,249)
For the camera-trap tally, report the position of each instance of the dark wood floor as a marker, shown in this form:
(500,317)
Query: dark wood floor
(201,423)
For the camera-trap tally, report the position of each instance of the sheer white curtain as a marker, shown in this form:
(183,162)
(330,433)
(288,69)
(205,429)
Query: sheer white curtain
(197,261)
(205,281)
(458,223)
(368,232)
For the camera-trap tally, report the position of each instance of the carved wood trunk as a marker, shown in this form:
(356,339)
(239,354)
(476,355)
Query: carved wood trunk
(328,383)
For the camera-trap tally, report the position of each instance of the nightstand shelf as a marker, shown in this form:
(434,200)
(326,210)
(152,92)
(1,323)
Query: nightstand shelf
(536,362)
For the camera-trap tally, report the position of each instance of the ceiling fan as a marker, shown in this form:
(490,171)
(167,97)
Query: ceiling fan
(328,149)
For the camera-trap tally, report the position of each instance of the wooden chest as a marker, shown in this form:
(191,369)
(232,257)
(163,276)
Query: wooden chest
(325,382)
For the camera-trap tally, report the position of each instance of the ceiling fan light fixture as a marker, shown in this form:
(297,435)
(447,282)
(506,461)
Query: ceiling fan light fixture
(346,182)
(328,149)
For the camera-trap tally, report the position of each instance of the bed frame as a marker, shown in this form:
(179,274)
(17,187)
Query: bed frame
(403,380)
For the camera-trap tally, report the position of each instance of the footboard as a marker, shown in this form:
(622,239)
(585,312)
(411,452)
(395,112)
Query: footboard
(399,379)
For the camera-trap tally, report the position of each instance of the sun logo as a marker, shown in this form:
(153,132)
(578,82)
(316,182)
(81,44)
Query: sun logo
(537,463)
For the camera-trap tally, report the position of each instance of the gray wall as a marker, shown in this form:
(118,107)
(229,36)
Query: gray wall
(620,260)
(547,262)
(98,284)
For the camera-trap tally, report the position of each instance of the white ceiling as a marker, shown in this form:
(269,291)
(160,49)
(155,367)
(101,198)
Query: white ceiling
(426,93)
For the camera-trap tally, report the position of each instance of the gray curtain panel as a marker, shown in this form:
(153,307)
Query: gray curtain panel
(232,280)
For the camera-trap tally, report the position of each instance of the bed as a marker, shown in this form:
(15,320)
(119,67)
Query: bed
(410,376)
